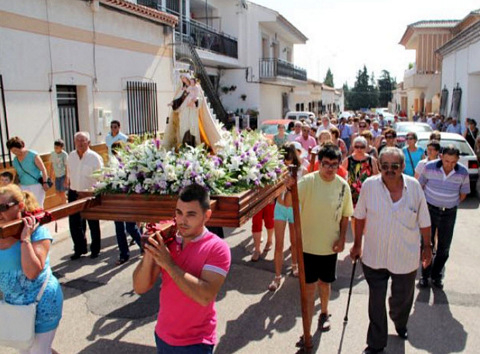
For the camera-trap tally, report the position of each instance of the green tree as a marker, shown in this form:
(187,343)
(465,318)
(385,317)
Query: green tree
(386,84)
(346,96)
(364,93)
(328,78)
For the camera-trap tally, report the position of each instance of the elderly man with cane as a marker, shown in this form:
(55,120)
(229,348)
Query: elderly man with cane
(393,212)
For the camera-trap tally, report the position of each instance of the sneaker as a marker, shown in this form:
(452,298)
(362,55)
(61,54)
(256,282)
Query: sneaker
(438,283)
(324,322)
(423,282)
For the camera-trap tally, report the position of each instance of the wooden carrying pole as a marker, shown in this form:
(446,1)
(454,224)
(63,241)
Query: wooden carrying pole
(14,228)
(301,266)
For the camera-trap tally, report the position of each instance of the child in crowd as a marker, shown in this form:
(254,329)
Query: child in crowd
(283,214)
(58,159)
(6,178)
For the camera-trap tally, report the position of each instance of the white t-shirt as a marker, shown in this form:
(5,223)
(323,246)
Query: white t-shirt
(80,170)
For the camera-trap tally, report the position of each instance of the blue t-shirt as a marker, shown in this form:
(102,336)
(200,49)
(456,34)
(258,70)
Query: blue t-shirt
(109,140)
(29,166)
(416,157)
(17,289)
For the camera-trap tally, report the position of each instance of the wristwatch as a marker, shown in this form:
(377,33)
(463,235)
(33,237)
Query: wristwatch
(26,240)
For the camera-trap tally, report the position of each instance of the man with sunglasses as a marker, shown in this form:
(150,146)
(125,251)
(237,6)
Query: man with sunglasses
(390,139)
(393,212)
(446,184)
(325,201)
(114,135)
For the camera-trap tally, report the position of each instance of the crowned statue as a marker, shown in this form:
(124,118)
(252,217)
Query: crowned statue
(190,121)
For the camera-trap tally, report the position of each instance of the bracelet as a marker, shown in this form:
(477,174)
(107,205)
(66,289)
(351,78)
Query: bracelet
(26,240)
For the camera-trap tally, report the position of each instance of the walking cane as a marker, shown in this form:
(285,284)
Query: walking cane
(345,319)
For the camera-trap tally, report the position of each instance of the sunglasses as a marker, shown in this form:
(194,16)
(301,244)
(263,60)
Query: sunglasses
(362,126)
(330,165)
(410,138)
(389,137)
(393,166)
(5,207)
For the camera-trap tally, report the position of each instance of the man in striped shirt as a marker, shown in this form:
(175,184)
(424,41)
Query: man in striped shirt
(393,212)
(446,184)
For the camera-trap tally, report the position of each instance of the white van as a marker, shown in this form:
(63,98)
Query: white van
(296,115)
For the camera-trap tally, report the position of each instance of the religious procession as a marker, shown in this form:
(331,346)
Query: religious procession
(187,190)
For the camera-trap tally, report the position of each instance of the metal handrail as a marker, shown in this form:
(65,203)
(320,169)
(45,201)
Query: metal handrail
(185,49)
(271,68)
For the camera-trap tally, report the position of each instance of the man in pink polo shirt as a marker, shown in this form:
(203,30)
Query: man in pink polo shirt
(193,268)
(306,139)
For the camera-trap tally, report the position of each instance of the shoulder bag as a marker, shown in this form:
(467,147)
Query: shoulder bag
(17,325)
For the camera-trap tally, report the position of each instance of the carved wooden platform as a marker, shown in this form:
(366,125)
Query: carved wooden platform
(228,211)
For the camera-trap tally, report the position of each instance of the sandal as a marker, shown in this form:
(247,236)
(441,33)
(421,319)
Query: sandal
(301,344)
(121,261)
(275,284)
(295,270)
(268,247)
(255,256)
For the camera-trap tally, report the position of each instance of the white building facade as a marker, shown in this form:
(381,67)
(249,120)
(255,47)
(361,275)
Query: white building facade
(69,65)
(247,51)
(461,73)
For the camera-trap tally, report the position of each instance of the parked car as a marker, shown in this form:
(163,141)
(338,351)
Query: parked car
(346,114)
(270,127)
(296,115)
(402,128)
(467,155)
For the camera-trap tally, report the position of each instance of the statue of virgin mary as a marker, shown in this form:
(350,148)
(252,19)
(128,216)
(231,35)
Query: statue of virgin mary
(190,121)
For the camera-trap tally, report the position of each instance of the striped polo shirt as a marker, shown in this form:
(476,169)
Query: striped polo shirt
(441,190)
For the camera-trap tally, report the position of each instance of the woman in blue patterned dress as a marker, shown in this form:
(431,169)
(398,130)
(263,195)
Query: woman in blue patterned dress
(24,266)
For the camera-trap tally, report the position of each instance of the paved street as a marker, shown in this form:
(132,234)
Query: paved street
(102,314)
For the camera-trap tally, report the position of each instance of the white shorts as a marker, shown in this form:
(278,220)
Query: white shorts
(38,192)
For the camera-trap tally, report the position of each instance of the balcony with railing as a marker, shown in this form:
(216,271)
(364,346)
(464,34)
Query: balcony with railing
(271,68)
(195,32)
(206,38)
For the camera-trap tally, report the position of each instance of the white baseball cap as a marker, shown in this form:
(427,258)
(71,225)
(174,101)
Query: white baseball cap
(299,147)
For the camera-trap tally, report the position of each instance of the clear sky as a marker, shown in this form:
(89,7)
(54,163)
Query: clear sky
(346,34)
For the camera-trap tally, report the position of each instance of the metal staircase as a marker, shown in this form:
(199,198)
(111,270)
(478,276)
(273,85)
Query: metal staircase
(186,50)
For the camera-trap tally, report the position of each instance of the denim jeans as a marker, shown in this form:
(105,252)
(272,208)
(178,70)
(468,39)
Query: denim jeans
(444,223)
(133,230)
(164,348)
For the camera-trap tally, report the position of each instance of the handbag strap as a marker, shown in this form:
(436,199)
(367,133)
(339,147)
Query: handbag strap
(411,161)
(44,285)
(35,178)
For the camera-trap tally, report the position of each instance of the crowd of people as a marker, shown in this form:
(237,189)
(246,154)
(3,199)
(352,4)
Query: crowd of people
(408,195)
(401,204)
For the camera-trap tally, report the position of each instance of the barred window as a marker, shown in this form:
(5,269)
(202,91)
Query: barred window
(142,107)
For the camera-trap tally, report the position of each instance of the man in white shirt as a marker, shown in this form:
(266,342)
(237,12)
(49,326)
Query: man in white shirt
(82,162)
(326,125)
(433,151)
(297,131)
(454,127)
(114,135)
(393,212)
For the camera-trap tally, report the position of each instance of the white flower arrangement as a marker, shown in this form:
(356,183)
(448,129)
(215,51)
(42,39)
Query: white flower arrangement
(244,161)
